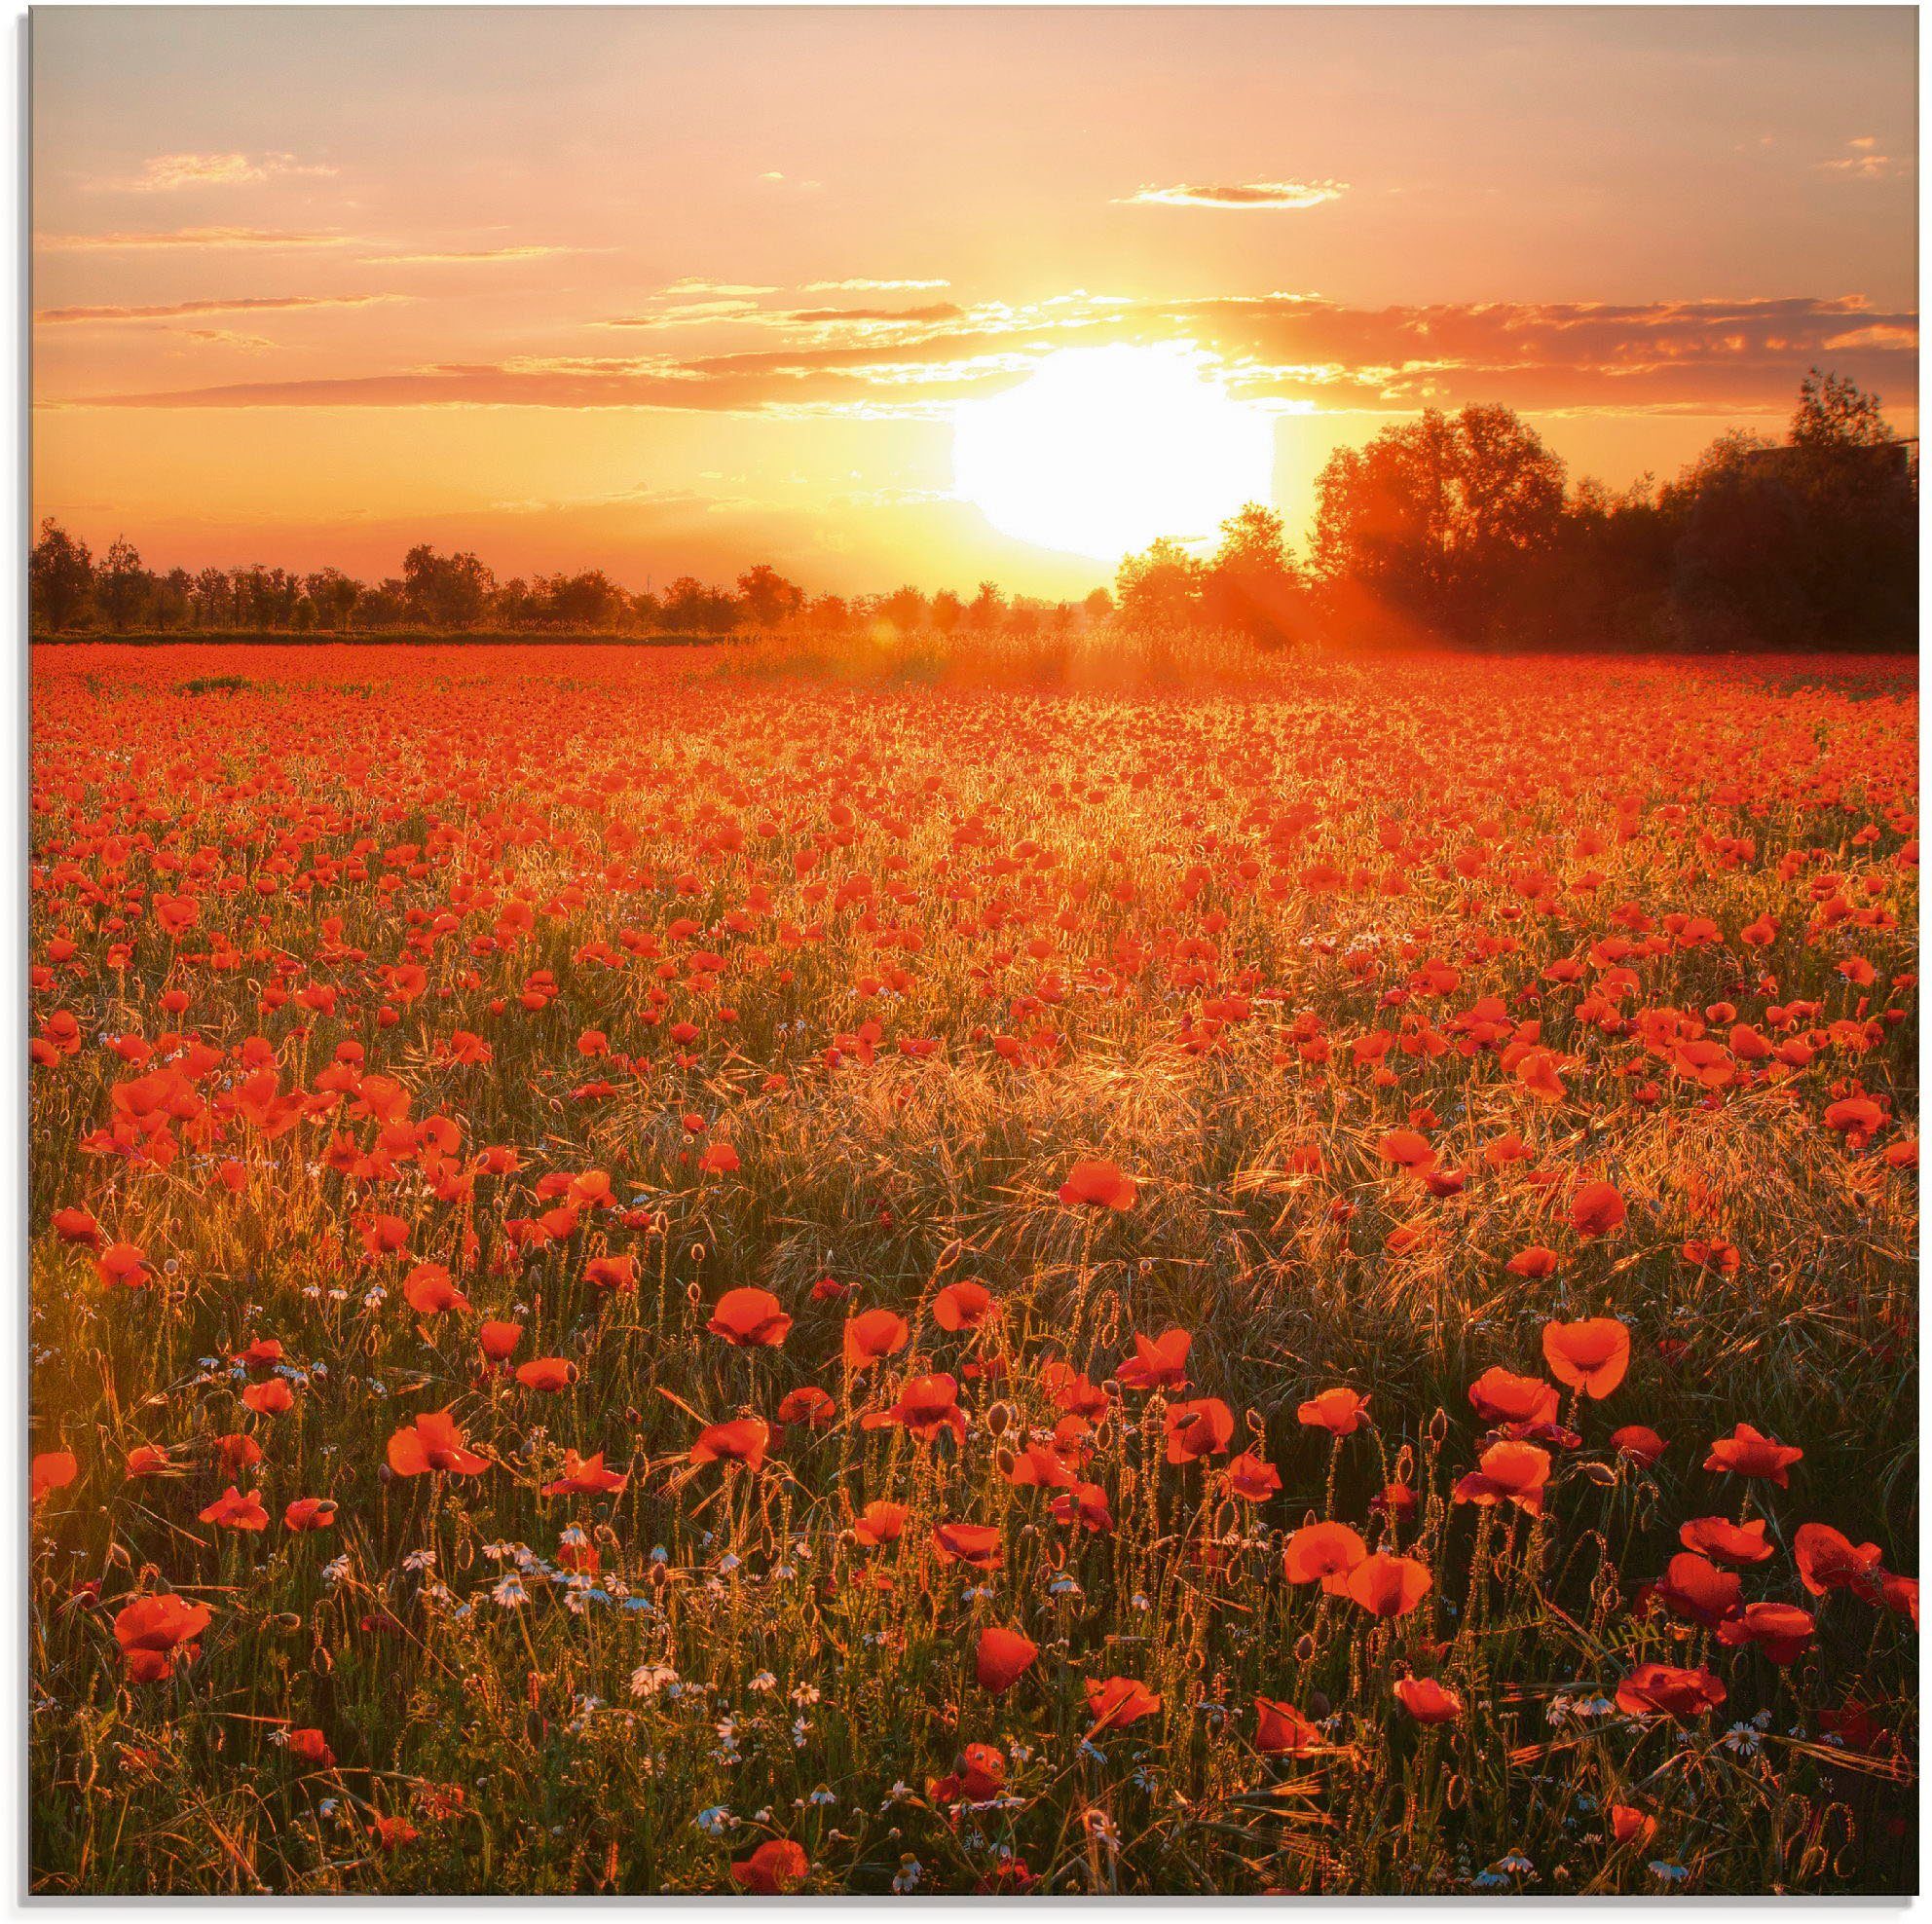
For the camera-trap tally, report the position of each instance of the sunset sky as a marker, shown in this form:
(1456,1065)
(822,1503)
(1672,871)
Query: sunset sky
(674,291)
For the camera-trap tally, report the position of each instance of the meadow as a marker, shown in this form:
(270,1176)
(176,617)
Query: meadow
(661,1273)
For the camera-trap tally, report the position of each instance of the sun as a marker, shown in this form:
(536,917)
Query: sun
(1103,449)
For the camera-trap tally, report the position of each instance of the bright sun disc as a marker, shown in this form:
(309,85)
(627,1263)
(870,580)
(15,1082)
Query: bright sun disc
(1103,449)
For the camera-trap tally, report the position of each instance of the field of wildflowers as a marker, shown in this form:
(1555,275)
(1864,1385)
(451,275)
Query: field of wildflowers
(648,1277)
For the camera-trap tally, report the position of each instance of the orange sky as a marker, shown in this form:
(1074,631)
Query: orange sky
(667,291)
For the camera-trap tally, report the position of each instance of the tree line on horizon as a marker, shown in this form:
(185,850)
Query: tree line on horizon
(1458,527)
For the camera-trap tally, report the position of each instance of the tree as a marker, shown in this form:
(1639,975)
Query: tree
(692,609)
(1440,518)
(946,610)
(335,597)
(1834,412)
(446,591)
(1160,588)
(1252,583)
(985,613)
(904,608)
(1812,543)
(59,577)
(213,600)
(766,597)
(122,588)
(1098,605)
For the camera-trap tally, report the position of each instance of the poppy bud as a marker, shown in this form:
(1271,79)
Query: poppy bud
(1305,1648)
(1006,1460)
(1319,1705)
(1439,1426)
(997,1419)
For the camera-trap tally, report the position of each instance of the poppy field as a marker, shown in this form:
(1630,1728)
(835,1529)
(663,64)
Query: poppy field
(652,1278)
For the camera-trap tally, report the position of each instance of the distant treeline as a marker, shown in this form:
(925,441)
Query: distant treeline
(1460,528)
(1448,528)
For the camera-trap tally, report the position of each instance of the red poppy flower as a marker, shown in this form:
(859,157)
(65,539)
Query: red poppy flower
(430,1291)
(750,1319)
(1083,1505)
(1695,1589)
(1428,1701)
(307,1513)
(500,1340)
(1158,1362)
(1780,1630)
(1524,1404)
(1281,1731)
(1340,1412)
(1002,1658)
(548,1373)
(1596,1209)
(926,1406)
(1507,1473)
(1828,1560)
(585,1476)
(232,1510)
(1407,1150)
(434,1443)
(51,1470)
(1591,1356)
(1727,1543)
(157,1632)
(743,1440)
(778,1865)
(973,1544)
(311,1747)
(269,1399)
(879,1523)
(1747,1452)
(1533,1263)
(964,1306)
(1200,1429)
(1323,1553)
(873,1335)
(616,1273)
(1114,1702)
(1631,1826)
(1101,1185)
(1252,1478)
(1655,1689)
(808,1405)
(1641,1445)
(1389,1586)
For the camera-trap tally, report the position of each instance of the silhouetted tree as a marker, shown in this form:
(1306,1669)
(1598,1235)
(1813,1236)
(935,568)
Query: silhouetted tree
(445,591)
(122,586)
(766,597)
(904,608)
(59,577)
(1436,516)
(1252,583)
(1158,588)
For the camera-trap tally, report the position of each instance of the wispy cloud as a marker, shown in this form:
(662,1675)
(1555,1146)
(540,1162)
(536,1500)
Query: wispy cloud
(265,239)
(1291,351)
(239,304)
(468,256)
(1862,161)
(865,287)
(700,288)
(1253,197)
(165,174)
(686,314)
